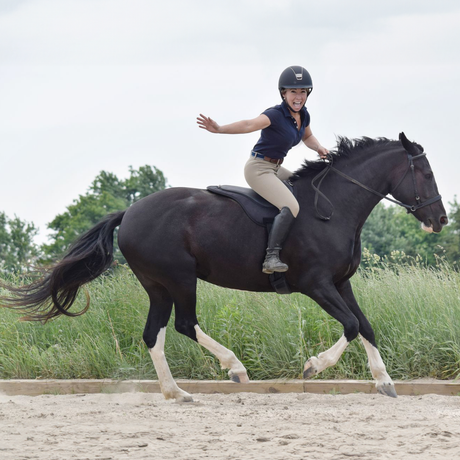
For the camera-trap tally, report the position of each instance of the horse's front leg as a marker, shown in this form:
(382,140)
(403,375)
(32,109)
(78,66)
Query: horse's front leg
(327,296)
(383,381)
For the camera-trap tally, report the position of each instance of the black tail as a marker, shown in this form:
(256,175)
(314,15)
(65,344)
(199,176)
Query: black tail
(55,292)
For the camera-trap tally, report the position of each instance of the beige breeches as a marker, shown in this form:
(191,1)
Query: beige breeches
(266,178)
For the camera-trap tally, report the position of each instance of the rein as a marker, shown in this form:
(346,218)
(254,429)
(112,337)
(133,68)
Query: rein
(410,208)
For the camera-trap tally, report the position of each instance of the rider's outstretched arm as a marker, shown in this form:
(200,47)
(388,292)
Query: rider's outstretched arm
(239,127)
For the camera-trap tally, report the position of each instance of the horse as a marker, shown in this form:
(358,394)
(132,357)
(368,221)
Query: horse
(176,236)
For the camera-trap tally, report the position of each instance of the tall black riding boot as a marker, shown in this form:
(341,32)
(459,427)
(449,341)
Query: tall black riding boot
(280,229)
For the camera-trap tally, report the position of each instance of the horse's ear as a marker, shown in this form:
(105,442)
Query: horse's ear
(407,144)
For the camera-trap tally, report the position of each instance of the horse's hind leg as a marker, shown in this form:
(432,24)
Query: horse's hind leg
(154,337)
(384,384)
(184,296)
(330,300)
(328,358)
(226,357)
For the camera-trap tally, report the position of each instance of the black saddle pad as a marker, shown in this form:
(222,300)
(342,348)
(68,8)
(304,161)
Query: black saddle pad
(261,212)
(258,209)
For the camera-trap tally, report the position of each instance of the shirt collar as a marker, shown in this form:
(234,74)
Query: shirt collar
(285,109)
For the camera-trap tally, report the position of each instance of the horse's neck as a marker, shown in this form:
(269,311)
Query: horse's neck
(374,170)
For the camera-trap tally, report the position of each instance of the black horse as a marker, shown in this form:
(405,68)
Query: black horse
(175,236)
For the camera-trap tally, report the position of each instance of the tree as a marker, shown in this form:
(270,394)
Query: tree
(451,234)
(390,229)
(143,182)
(379,232)
(107,193)
(17,248)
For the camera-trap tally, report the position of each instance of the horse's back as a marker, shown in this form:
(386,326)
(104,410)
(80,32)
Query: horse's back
(172,205)
(166,209)
(178,228)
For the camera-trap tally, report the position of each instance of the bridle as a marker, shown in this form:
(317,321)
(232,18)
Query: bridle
(409,208)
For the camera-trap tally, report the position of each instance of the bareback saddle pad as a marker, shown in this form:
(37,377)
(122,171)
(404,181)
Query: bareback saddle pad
(258,209)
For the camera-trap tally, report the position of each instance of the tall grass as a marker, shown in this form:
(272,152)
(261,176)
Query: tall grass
(415,312)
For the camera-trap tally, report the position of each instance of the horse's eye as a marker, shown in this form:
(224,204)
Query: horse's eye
(428,176)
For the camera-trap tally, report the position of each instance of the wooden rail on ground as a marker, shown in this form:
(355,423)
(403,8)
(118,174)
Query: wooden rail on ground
(60,387)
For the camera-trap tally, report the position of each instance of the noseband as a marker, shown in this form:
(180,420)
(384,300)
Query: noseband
(409,208)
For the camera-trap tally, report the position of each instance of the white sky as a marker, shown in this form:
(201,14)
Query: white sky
(91,85)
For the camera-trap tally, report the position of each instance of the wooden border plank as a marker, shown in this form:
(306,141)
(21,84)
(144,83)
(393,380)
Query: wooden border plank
(39,387)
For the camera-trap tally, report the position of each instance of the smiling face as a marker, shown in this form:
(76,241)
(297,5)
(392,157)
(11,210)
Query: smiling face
(295,98)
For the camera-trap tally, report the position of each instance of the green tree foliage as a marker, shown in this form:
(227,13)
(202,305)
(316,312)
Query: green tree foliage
(106,194)
(390,229)
(452,235)
(17,247)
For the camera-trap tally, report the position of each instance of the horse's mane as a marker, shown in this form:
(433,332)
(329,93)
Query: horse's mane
(345,149)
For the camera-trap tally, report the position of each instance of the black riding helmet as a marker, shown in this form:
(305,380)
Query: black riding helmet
(295,77)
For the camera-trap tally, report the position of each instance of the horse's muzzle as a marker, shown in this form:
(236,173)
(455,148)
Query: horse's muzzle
(433,225)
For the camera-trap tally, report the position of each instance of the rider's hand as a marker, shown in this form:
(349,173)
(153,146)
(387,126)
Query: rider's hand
(207,123)
(322,152)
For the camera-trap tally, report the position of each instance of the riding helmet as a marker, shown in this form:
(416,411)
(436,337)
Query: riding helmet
(295,77)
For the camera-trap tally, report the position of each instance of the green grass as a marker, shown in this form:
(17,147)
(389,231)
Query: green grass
(415,313)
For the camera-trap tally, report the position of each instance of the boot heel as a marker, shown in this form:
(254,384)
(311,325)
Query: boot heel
(272,262)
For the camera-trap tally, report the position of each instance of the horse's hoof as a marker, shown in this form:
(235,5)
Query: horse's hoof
(235,378)
(387,389)
(308,373)
(309,370)
(238,378)
(185,398)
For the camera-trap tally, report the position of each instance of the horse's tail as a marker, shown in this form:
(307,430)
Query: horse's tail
(55,292)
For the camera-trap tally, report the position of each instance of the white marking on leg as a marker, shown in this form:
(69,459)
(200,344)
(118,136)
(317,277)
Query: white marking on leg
(383,381)
(326,359)
(227,358)
(378,369)
(168,386)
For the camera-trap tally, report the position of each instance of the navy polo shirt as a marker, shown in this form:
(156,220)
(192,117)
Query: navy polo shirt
(282,134)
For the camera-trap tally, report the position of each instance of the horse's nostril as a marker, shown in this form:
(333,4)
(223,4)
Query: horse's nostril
(444,220)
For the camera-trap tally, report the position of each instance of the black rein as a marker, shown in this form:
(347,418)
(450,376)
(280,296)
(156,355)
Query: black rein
(409,208)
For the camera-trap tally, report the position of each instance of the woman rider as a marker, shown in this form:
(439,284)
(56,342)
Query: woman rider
(283,126)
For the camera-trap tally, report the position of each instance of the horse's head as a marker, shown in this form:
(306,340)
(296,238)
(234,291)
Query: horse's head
(414,185)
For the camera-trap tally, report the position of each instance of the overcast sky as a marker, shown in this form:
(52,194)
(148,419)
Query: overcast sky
(91,85)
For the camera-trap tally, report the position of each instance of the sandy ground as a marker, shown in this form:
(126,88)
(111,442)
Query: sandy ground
(238,426)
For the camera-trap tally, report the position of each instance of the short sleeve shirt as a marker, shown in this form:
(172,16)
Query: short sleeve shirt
(277,139)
